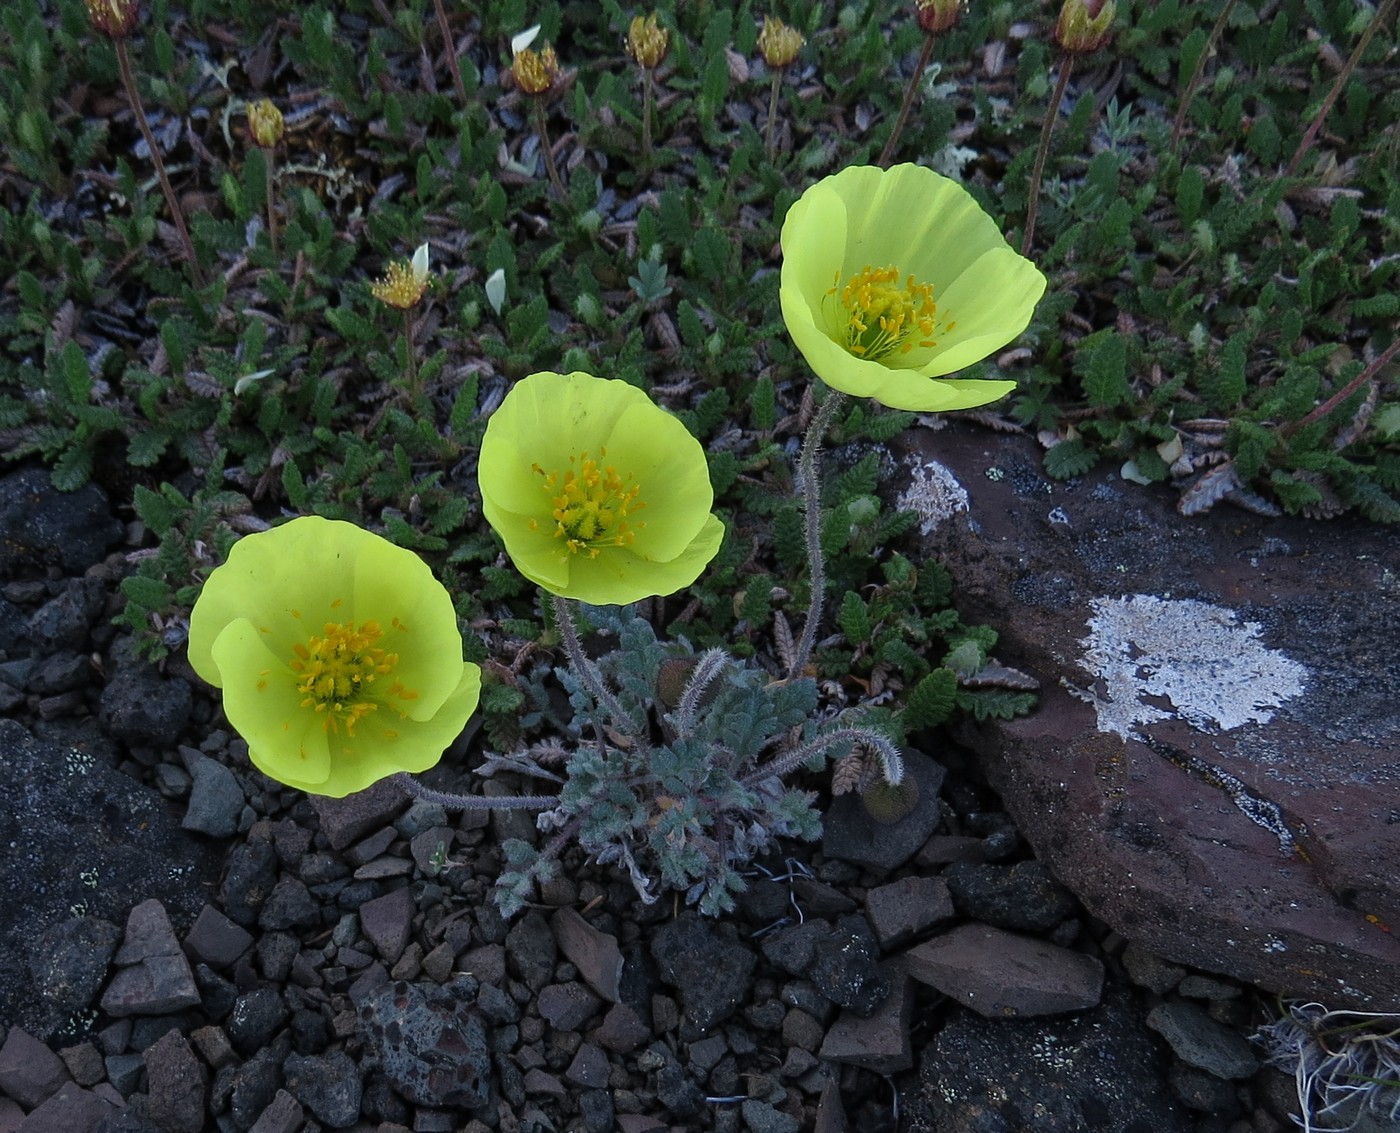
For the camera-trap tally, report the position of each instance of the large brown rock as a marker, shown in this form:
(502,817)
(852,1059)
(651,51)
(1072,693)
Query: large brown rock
(1214,768)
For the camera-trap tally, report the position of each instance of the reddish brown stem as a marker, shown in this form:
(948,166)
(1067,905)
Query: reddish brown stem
(1381,16)
(451,47)
(129,81)
(1033,196)
(1345,392)
(1179,122)
(919,68)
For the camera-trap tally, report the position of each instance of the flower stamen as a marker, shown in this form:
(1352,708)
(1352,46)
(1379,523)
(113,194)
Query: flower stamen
(875,316)
(338,669)
(592,504)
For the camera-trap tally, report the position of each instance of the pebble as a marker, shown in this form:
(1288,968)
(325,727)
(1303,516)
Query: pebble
(388,921)
(998,973)
(707,964)
(215,940)
(878,1042)
(432,1049)
(153,975)
(567,1006)
(852,835)
(71,960)
(1147,969)
(622,1030)
(216,798)
(760,1117)
(71,1108)
(903,909)
(30,1072)
(1198,1040)
(328,1085)
(1021,897)
(593,952)
(844,965)
(175,1084)
(257,1015)
(345,821)
(142,708)
(282,1115)
(43,525)
(589,1067)
(530,950)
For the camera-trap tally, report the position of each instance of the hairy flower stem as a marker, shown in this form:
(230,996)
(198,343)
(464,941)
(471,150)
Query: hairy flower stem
(271,203)
(450,801)
(1345,392)
(451,48)
(410,352)
(1189,93)
(812,516)
(172,202)
(914,80)
(1381,17)
(648,100)
(770,133)
(542,128)
(1033,195)
(585,668)
(891,763)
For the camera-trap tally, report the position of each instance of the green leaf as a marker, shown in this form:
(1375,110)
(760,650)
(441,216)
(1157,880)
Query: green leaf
(931,701)
(854,619)
(1190,189)
(1106,372)
(1069,459)
(1224,385)
(156,512)
(150,593)
(72,470)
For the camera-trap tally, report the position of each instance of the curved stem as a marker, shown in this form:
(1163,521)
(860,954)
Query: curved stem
(172,202)
(914,79)
(648,98)
(268,159)
(1189,93)
(553,170)
(812,515)
(410,352)
(585,668)
(891,762)
(1033,195)
(1345,392)
(451,47)
(1380,17)
(451,801)
(770,127)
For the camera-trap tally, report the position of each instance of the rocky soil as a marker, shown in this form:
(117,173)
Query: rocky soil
(188,946)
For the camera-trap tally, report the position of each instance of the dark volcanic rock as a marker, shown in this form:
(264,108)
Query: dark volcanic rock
(1255,831)
(850,833)
(1099,1070)
(41,525)
(710,968)
(431,1047)
(85,837)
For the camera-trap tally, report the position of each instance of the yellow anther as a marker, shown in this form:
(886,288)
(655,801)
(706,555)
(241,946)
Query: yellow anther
(337,669)
(591,505)
(874,316)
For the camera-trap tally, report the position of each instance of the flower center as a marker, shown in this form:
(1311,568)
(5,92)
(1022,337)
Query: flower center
(875,316)
(337,672)
(592,504)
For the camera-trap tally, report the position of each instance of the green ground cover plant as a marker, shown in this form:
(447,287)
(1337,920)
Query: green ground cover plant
(324,310)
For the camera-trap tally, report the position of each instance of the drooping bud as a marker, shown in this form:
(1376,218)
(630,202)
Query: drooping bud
(1083,26)
(265,123)
(116,19)
(778,43)
(937,16)
(535,71)
(647,41)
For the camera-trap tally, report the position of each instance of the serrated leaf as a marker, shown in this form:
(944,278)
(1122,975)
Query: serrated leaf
(854,619)
(1069,458)
(150,593)
(931,701)
(1106,374)
(156,512)
(1223,385)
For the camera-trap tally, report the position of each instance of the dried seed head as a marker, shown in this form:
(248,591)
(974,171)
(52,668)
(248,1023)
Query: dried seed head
(116,19)
(888,802)
(265,123)
(1083,26)
(535,71)
(778,43)
(647,41)
(937,16)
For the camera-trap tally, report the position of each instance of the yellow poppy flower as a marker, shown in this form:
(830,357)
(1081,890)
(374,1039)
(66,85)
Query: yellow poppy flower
(338,655)
(404,283)
(892,278)
(598,493)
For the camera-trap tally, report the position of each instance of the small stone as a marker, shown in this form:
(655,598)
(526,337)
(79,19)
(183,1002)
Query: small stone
(175,1084)
(289,905)
(595,954)
(589,1067)
(216,798)
(154,977)
(530,950)
(257,1015)
(249,875)
(71,1108)
(709,967)
(801,1030)
(568,1006)
(71,960)
(1201,1091)
(596,1106)
(328,1085)
(388,921)
(851,834)
(29,1071)
(881,1041)
(903,909)
(1000,974)
(344,821)
(430,1046)
(438,963)
(215,940)
(760,1117)
(487,963)
(142,708)
(368,849)
(541,1083)
(1147,969)
(124,1072)
(282,1115)
(844,966)
(213,1046)
(942,849)
(1022,897)
(1205,987)
(1198,1040)
(84,1062)
(622,1030)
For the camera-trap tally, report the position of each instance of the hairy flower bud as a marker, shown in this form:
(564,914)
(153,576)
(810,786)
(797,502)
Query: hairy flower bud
(265,123)
(535,71)
(647,41)
(116,19)
(778,43)
(937,16)
(1083,26)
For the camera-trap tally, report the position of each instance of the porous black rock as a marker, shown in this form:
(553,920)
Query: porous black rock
(707,964)
(327,1085)
(42,526)
(1023,896)
(429,1044)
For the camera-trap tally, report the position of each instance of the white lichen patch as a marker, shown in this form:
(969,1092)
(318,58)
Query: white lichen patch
(1204,661)
(934,494)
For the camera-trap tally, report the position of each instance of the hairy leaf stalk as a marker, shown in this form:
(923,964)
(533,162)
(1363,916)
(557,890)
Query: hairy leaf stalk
(811,512)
